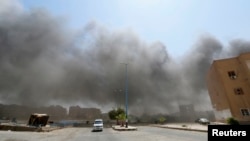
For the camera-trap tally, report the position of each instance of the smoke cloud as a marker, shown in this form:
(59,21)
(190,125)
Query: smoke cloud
(42,61)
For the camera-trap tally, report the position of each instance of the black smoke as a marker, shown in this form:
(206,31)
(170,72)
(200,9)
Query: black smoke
(43,61)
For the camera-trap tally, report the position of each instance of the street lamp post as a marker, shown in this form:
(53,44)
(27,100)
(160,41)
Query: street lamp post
(126,93)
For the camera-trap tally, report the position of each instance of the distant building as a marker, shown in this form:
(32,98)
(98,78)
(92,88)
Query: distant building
(57,112)
(76,112)
(21,112)
(228,82)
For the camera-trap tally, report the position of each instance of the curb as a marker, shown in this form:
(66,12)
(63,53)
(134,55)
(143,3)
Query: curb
(125,129)
(180,128)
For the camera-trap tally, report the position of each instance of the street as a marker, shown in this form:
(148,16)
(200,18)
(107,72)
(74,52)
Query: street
(144,133)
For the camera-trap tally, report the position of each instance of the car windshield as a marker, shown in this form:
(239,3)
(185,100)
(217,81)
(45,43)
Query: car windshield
(98,122)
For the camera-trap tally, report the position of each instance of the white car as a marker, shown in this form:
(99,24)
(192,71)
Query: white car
(98,125)
(202,121)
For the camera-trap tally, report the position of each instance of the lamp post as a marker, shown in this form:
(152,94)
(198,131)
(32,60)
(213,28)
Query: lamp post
(126,92)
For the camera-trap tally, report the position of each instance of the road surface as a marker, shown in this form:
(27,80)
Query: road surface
(144,133)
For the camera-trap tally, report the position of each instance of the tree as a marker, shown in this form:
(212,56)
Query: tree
(162,120)
(112,114)
(120,111)
(232,121)
(121,117)
(116,114)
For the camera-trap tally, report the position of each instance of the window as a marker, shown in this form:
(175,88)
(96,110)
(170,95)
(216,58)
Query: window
(238,91)
(245,112)
(232,74)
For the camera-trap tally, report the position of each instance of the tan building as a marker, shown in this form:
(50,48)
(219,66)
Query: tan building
(228,82)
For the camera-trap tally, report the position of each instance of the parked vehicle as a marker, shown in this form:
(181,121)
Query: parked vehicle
(98,125)
(202,121)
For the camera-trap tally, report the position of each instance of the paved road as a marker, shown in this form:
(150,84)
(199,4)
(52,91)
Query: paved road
(144,133)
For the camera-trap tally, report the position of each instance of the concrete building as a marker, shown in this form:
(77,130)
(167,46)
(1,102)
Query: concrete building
(228,83)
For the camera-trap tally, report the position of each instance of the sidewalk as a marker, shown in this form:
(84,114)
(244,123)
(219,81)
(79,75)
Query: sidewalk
(179,126)
(184,126)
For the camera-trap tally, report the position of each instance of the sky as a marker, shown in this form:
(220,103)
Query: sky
(176,23)
(69,53)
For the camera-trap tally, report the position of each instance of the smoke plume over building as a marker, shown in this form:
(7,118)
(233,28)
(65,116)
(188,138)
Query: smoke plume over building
(43,61)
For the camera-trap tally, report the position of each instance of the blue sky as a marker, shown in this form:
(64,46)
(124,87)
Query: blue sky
(176,23)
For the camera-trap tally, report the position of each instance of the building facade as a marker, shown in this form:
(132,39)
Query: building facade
(228,83)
